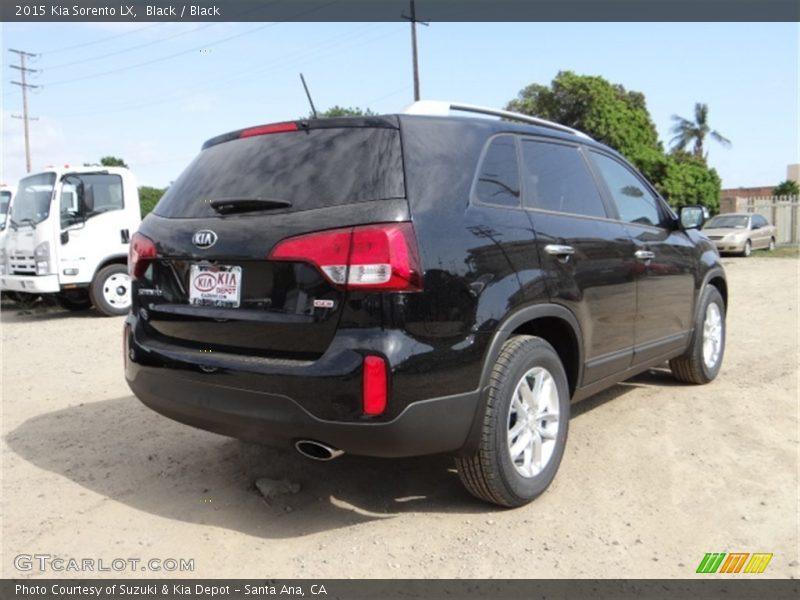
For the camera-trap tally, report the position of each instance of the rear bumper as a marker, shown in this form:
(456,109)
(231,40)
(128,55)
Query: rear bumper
(31,284)
(277,408)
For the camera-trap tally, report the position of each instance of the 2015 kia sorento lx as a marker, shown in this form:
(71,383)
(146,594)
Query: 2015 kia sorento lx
(415,284)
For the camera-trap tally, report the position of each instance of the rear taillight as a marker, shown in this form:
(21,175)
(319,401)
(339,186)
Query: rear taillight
(374,387)
(141,253)
(368,257)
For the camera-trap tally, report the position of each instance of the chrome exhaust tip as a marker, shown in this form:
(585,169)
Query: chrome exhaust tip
(317,450)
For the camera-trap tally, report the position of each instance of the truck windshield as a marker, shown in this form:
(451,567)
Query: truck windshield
(32,202)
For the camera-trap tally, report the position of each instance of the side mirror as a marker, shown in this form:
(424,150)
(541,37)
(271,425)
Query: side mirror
(691,217)
(64,237)
(755,226)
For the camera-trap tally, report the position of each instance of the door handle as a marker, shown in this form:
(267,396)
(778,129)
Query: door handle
(559,250)
(644,255)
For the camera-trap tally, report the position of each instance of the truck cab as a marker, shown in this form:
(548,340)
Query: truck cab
(67,234)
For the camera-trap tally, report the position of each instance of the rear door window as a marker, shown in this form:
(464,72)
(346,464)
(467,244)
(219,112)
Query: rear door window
(307,168)
(634,202)
(498,174)
(558,179)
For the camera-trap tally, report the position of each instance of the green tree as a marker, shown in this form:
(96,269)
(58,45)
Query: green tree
(687,180)
(108,161)
(607,112)
(149,197)
(341,111)
(787,188)
(112,161)
(695,132)
(619,118)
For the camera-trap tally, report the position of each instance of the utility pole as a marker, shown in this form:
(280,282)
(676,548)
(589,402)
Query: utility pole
(24,85)
(413,20)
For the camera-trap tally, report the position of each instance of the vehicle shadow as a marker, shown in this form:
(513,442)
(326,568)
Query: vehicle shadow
(121,450)
(12,312)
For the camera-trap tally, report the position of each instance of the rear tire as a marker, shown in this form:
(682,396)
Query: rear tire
(74,300)
(524,427)
(702,360)
(771,246)
(111,291)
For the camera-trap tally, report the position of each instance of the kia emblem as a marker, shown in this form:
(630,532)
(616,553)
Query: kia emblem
(205,238)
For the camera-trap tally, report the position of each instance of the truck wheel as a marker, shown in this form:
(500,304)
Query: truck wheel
(524,428)
(111,290)
(74,300)
(702,360)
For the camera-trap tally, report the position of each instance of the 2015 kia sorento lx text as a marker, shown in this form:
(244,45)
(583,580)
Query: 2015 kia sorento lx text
(415,284)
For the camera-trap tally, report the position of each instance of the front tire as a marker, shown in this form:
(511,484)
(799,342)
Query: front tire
(111,290)
(702,360)
(748,249)
(524,428)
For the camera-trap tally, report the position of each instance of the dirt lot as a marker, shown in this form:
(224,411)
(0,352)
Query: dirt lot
(655,473)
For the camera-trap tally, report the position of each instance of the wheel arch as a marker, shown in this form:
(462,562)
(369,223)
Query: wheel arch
(716,277)
(114,259)
(551,322)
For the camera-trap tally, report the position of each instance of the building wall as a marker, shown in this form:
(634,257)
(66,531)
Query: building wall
(793,173)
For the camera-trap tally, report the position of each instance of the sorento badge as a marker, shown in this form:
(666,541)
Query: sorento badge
(205,238)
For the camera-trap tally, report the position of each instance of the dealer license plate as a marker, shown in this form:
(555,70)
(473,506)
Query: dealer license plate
(215,285)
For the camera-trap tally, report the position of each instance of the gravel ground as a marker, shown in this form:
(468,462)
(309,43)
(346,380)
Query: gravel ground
(655,473)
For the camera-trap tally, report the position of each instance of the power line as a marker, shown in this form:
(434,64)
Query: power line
(331,47)
(101,40)
(130,49)
(23,70)
(190,50)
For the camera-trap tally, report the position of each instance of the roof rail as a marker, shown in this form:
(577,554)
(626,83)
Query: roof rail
(442,108)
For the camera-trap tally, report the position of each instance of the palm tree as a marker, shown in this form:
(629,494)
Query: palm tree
(687,131)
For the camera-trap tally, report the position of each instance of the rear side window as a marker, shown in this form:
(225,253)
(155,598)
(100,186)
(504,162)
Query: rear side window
(557,178)
(308,168)
(498,175)
(633,200)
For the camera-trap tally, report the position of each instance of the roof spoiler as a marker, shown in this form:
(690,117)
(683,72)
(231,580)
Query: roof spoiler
(439,108)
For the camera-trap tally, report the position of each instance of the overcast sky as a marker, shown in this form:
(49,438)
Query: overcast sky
(152,93)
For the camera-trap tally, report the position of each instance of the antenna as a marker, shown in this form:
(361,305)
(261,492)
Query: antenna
(308,94)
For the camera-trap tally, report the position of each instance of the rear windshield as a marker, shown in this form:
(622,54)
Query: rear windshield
(308,168)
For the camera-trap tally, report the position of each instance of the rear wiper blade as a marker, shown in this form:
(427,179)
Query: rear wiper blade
(231,205)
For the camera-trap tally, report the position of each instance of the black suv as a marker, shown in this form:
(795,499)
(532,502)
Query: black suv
(415,284)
